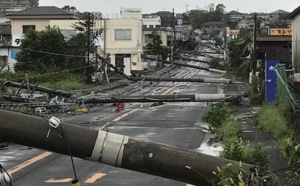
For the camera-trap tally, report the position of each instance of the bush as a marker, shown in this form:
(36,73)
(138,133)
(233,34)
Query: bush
(216,116)
(230,129)
(243,70)
(255,96)
(236,149)
(271,120)
(218,63)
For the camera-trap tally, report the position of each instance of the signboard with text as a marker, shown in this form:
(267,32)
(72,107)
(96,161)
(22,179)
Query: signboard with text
(16,39)
(280,31)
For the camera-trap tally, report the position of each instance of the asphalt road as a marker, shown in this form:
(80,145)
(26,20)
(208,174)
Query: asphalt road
(175,124)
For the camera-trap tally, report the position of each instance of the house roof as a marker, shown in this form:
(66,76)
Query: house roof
(280,12)
(294,13)
(274,38)
(213,23)
(233,12)
(41,11)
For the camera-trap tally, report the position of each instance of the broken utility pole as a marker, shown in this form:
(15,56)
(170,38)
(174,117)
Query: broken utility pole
(37,88)
(112,149)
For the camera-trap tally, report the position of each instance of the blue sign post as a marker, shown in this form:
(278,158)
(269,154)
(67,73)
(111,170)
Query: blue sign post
(270,80)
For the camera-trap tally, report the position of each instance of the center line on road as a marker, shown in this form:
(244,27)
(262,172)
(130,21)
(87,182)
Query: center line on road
(124,115)
(28,162)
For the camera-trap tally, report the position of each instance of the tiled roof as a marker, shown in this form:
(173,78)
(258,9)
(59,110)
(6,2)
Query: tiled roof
(41,10)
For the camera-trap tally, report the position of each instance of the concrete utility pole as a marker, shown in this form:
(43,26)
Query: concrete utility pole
(191,66)
(37,88)
(254,47)
(199,80)
(168,98)
(112,149)
(204,80)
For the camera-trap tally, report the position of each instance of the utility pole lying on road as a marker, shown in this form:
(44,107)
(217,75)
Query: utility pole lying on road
(191,66)
(112,149)
(169,98)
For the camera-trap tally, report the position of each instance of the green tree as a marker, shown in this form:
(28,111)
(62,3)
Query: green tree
(37,51)
(70,8)
(198,17)
(154,47)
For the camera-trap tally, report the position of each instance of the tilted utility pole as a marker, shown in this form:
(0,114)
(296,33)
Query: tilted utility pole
(254,47)
(113,149)
(88,38)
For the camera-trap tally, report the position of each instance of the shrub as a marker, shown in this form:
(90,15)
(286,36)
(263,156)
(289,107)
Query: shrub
(230,129)
(243,70)
(271,120)
(216,116)
(255,96)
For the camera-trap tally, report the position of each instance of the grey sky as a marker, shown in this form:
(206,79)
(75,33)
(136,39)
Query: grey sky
(112,7)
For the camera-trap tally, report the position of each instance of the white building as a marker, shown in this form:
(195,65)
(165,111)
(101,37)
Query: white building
(131,13)
(151,21)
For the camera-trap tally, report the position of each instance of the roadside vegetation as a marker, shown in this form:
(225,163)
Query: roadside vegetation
(227,128)
(274,118)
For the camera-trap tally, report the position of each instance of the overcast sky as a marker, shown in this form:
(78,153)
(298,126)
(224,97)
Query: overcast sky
(112,7)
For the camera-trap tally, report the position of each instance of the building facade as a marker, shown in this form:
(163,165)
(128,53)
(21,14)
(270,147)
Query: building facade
(295,16)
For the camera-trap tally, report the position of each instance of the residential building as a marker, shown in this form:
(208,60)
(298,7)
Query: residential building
(234,16)
(166,18)
(295,16)
(151,21)
(123,40)
(213,26)
(36,18)
(131,13)
(9,6)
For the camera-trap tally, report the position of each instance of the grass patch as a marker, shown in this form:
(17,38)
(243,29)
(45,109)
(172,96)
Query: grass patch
(272,120)
(66,85)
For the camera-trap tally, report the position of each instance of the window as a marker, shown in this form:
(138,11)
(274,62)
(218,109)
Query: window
(68,34)
(28,27)
(123,34)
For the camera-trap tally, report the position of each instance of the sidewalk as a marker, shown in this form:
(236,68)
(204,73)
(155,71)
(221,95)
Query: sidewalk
(250,132)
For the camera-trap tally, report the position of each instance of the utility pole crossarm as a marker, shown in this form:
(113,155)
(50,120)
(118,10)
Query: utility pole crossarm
(112,149)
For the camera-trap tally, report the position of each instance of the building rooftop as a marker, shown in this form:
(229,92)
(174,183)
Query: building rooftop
(294,13)
(213,23)
(41,11)
(274,38)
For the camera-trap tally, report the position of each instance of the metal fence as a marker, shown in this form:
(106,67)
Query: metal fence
(285,93)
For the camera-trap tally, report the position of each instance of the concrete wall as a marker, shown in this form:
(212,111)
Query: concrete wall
(10,52)
(17,25)
(296,43)
(63,24)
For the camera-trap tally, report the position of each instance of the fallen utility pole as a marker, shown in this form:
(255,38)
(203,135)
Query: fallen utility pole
(203,80)
(112,149)
(38,88)
(189,59)
(191,66)
(168,98)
